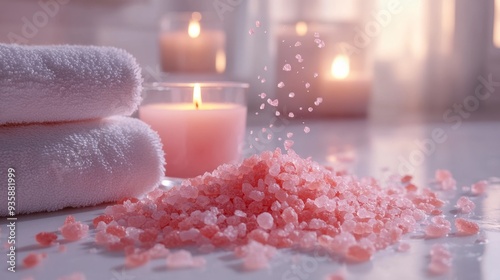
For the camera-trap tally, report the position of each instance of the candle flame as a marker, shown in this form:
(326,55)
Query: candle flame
(194,28)
(197,95)
(340,67)
(220,61)
(301,28)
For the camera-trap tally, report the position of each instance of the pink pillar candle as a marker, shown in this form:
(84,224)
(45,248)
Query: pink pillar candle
(197,136)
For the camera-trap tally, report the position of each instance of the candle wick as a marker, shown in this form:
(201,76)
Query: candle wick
(196,104)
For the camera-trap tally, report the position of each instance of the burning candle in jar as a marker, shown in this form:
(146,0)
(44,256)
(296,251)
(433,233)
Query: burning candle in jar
(192,44)
(201,125)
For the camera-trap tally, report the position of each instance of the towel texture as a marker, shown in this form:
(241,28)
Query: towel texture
(78,164)
(66,83)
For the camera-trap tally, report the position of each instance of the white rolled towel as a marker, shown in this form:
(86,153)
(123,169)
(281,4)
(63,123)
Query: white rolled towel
(66,83)
(78,164)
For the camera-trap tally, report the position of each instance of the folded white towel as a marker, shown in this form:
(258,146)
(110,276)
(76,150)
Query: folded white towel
(78,164)
(65,83)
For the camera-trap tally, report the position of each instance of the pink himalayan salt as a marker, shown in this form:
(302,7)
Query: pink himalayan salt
(479,187)
(287,67)
(46,238)
(465,205)
(440,260)
(33,259)
(403,247)
(304,204)
(273,103)
(466,227)
(339,275)
(445,179)
(73,230)
(73,276)
(255,255)
(440,227)
(184,259)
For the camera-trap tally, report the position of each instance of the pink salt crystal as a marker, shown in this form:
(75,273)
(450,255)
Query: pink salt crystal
(316,34)
(281,84)
(288,144)
(307,129)
(315,75)
(33,259)
(403,247)
(257,23)
(265,220)
(465,205)
(263,81)
(310,109)
(262,106)
(263,95)
(289,135)
(136,260)
(297,44)
(277,113)
(318,101)
(440,227)
(479,187)
(273,102)
(72,230)
(440,260)
(287,67)
(299,58)
(291,94)
(183,259)
(73,276)
(46,238)
(251,31)
(256,195)
(445,179)
(358,253)
(291,115)
(307,85)
(466,227)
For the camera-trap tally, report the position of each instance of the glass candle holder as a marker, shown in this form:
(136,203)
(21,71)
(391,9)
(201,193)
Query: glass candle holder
(192,43)
(202,125)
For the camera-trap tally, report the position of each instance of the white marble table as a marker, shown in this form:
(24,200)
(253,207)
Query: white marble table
(366,147)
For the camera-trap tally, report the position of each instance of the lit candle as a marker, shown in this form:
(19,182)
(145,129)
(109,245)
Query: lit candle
(193,48)
(343,91)
(197,136)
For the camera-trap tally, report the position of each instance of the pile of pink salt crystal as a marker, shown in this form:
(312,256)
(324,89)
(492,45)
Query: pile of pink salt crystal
(73,230)
(277,200)
(440,260)
(445,180)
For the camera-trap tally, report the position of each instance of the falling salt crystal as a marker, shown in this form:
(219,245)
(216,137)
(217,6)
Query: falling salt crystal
(291,94)
(310,109)
(318,101)
(315,75)
(299,58)
(291,115)
(298,44)
(316,34)
(272,102)
(300,108)
(277,113)
(269,136)
(262,106)
(287,67)
(251,31)
(279,139)
(263,95)
(251,132)
(257,24)
(256,113)
(317,41)
(321,45)
(271,125)
(264,129)
(258,77)
(307,129)
(281,84)
(288,144)
(308,85)
(265,68)
(289,135)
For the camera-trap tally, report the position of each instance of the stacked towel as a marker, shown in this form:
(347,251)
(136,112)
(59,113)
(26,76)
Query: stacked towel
(59,132)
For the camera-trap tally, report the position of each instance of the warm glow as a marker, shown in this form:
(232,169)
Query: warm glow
(301,28)
(340,67)
(194,28)
(496,28)
(220,61)
(197,96)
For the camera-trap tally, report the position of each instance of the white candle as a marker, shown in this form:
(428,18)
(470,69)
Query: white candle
(194,49)
(197,137)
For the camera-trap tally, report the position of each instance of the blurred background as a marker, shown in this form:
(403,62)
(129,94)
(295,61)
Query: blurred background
(378,58)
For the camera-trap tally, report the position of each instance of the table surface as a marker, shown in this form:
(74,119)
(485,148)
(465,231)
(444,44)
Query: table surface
(366,147)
